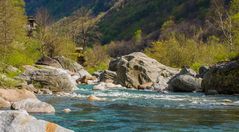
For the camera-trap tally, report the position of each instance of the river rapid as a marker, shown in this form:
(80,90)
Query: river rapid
(127,110)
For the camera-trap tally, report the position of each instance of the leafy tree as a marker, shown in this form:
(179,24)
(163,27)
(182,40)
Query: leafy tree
(12,21)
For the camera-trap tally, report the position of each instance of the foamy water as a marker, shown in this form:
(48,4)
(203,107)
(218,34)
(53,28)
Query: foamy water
(132,110)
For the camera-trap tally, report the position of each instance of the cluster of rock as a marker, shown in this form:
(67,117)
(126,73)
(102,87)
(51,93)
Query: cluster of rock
(137,70)
(22,99)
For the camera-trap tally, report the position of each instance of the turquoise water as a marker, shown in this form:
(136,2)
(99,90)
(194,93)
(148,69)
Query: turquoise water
(138,111)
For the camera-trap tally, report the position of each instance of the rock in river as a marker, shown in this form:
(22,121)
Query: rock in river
(185,83)
(47,77)
(33,106)
(21,121)
(136,69)
(223,78)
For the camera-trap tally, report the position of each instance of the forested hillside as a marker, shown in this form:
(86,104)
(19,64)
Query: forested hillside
(62,8)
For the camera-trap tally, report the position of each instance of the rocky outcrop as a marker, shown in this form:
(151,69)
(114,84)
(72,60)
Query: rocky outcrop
(55,79)
(136,69)
(21,121)
(222,78)
(33,106)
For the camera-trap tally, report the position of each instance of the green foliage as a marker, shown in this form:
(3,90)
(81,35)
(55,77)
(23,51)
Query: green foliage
(177,53)
(96,58)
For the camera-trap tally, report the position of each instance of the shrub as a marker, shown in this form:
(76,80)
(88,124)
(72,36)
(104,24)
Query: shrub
(177,53)
(96,58)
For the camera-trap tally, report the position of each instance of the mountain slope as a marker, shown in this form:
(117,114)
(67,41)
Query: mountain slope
(62,8)
(127,16)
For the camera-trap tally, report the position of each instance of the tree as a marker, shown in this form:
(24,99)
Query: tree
(44,21)
(12,21)
(222,21)
(83,29)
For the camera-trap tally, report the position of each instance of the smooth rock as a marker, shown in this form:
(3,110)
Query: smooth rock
(94,98)
(13,95)
(67,110)
(185,83)
(21,121)
(33,106)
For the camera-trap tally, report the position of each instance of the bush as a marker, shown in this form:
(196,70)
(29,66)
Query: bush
(96,58)
(179,52)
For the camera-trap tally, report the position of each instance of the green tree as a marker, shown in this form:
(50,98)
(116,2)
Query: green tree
(12,21)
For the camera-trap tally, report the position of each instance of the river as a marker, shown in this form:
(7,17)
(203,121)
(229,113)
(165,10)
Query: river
(126,110)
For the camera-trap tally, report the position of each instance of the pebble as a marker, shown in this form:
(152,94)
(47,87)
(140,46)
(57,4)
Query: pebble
(67,110)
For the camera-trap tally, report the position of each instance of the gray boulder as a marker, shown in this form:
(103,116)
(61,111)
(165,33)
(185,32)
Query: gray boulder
(223,78)
(33,106)
(136,69)
(21,121)
(55,79)
(185,83)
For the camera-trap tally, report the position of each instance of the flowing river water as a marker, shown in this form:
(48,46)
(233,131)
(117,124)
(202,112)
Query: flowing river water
(126,110)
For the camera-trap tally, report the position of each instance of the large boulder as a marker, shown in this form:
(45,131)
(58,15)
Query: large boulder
(33,106)
(136,69)
(55,79)
(185,83)
(13,95)
(21,121)
(223,78)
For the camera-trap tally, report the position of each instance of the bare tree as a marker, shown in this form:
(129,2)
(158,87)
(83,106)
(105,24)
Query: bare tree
(222,21)
(83,29)
(43,20)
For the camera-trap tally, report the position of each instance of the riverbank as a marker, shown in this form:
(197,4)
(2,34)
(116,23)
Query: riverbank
(134,79)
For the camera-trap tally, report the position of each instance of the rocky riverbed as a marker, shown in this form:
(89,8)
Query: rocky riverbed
(132,81)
